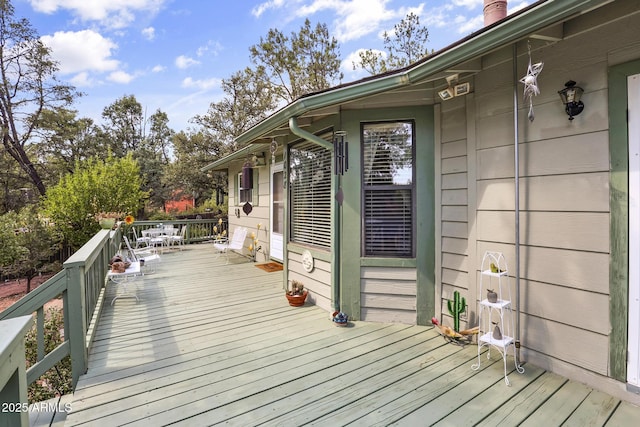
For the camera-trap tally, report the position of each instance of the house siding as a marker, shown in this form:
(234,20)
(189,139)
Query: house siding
(260,213)
(564,191)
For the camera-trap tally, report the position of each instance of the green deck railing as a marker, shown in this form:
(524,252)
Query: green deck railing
(81,285)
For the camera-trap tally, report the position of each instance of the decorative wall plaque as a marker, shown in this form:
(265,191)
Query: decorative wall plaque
(307,261)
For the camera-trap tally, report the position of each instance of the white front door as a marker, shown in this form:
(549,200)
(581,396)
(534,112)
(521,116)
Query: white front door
(277,213)
(633,364)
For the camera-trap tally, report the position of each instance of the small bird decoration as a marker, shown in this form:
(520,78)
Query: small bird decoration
(450,335)
(494,269)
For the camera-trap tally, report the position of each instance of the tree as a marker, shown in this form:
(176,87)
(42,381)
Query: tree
(95,186)
(34,242)
(247,101)
(160,135)
(66,140)
(28,85)
(306,62)
(192,152)
(407,46)
(124,124)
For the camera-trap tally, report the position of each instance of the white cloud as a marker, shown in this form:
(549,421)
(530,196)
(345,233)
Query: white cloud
(149,33)
(110,13)
(257,11)
(183,62)
(158,69)
(469,4)
(467,26)
(82,80)
(212,47)
(201,84)
(120,77)
(81,51)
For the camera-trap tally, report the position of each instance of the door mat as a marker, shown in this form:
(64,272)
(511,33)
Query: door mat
(270,267)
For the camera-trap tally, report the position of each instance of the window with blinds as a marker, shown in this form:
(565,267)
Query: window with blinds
(388,191)
(310,194)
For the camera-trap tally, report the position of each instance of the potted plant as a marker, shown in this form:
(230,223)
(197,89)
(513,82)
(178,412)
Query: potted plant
(297,295)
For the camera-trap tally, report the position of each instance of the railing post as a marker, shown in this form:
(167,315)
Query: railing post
(77,322)
(13,374)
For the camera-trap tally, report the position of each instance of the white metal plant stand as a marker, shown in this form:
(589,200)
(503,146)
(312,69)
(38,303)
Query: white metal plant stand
(495,314)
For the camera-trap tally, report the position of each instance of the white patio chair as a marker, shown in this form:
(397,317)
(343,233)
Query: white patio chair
(142,240)
(235,243)
(178,239)
(148,254)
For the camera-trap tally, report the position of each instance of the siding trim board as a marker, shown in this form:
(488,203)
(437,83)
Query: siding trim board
(619,218)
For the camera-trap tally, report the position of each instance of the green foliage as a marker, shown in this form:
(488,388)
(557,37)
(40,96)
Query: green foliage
(57,380)
(160,216)
(28,252)
(407,46)
(28,85)
(456,307)
(10,249)
(112,185)
(305,62)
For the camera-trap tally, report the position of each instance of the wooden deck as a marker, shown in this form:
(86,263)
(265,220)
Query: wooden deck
(210,343)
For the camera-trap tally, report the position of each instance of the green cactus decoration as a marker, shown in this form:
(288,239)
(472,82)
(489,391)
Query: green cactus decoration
(456,307)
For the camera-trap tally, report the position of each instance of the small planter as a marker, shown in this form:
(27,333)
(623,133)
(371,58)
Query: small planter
(296,300)
(107,223)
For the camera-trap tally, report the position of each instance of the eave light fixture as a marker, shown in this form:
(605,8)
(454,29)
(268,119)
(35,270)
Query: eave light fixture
(454,89)
(570,97)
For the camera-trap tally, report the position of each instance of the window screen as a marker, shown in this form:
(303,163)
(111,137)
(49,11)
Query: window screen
(310,191)
(388,189)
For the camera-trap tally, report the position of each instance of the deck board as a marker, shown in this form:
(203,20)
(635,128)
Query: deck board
(211,343)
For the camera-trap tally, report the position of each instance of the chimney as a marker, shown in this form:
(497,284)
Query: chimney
(494,10)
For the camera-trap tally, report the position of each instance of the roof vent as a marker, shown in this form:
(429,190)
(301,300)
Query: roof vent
(494,10)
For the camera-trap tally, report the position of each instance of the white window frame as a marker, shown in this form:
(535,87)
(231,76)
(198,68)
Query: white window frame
(251,193)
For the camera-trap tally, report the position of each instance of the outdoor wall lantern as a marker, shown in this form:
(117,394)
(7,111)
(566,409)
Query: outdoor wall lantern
(570,97)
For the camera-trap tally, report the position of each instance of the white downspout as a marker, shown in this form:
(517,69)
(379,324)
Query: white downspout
(517,197)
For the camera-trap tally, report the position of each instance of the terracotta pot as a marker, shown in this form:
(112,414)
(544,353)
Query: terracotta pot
(297,300)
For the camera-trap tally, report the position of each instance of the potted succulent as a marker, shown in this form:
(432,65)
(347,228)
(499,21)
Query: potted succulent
(297,295)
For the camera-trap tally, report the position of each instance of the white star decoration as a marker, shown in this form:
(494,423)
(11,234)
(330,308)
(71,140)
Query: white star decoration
(530,82)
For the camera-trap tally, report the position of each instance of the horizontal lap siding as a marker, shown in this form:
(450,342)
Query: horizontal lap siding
(317,282)
(454,207)
(259,214)
(388,294)
(564,203)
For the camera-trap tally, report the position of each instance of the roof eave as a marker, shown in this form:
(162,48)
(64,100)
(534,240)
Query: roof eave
(223,163)
(501,34)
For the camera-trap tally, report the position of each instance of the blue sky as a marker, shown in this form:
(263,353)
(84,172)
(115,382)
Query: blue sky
(172,54)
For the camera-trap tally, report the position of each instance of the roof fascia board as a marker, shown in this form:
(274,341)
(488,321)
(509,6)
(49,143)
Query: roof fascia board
(224,162)
(502,34)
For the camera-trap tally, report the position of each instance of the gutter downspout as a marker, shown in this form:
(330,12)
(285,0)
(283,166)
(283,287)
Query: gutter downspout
(517,196)
(335,185)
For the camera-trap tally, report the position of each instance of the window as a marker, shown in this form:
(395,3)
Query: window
(388,193)
(310,193)
(246,195)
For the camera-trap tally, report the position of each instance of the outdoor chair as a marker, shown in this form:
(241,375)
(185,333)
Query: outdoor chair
(142,240)
(147,254)
(178,239)
(235,243)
